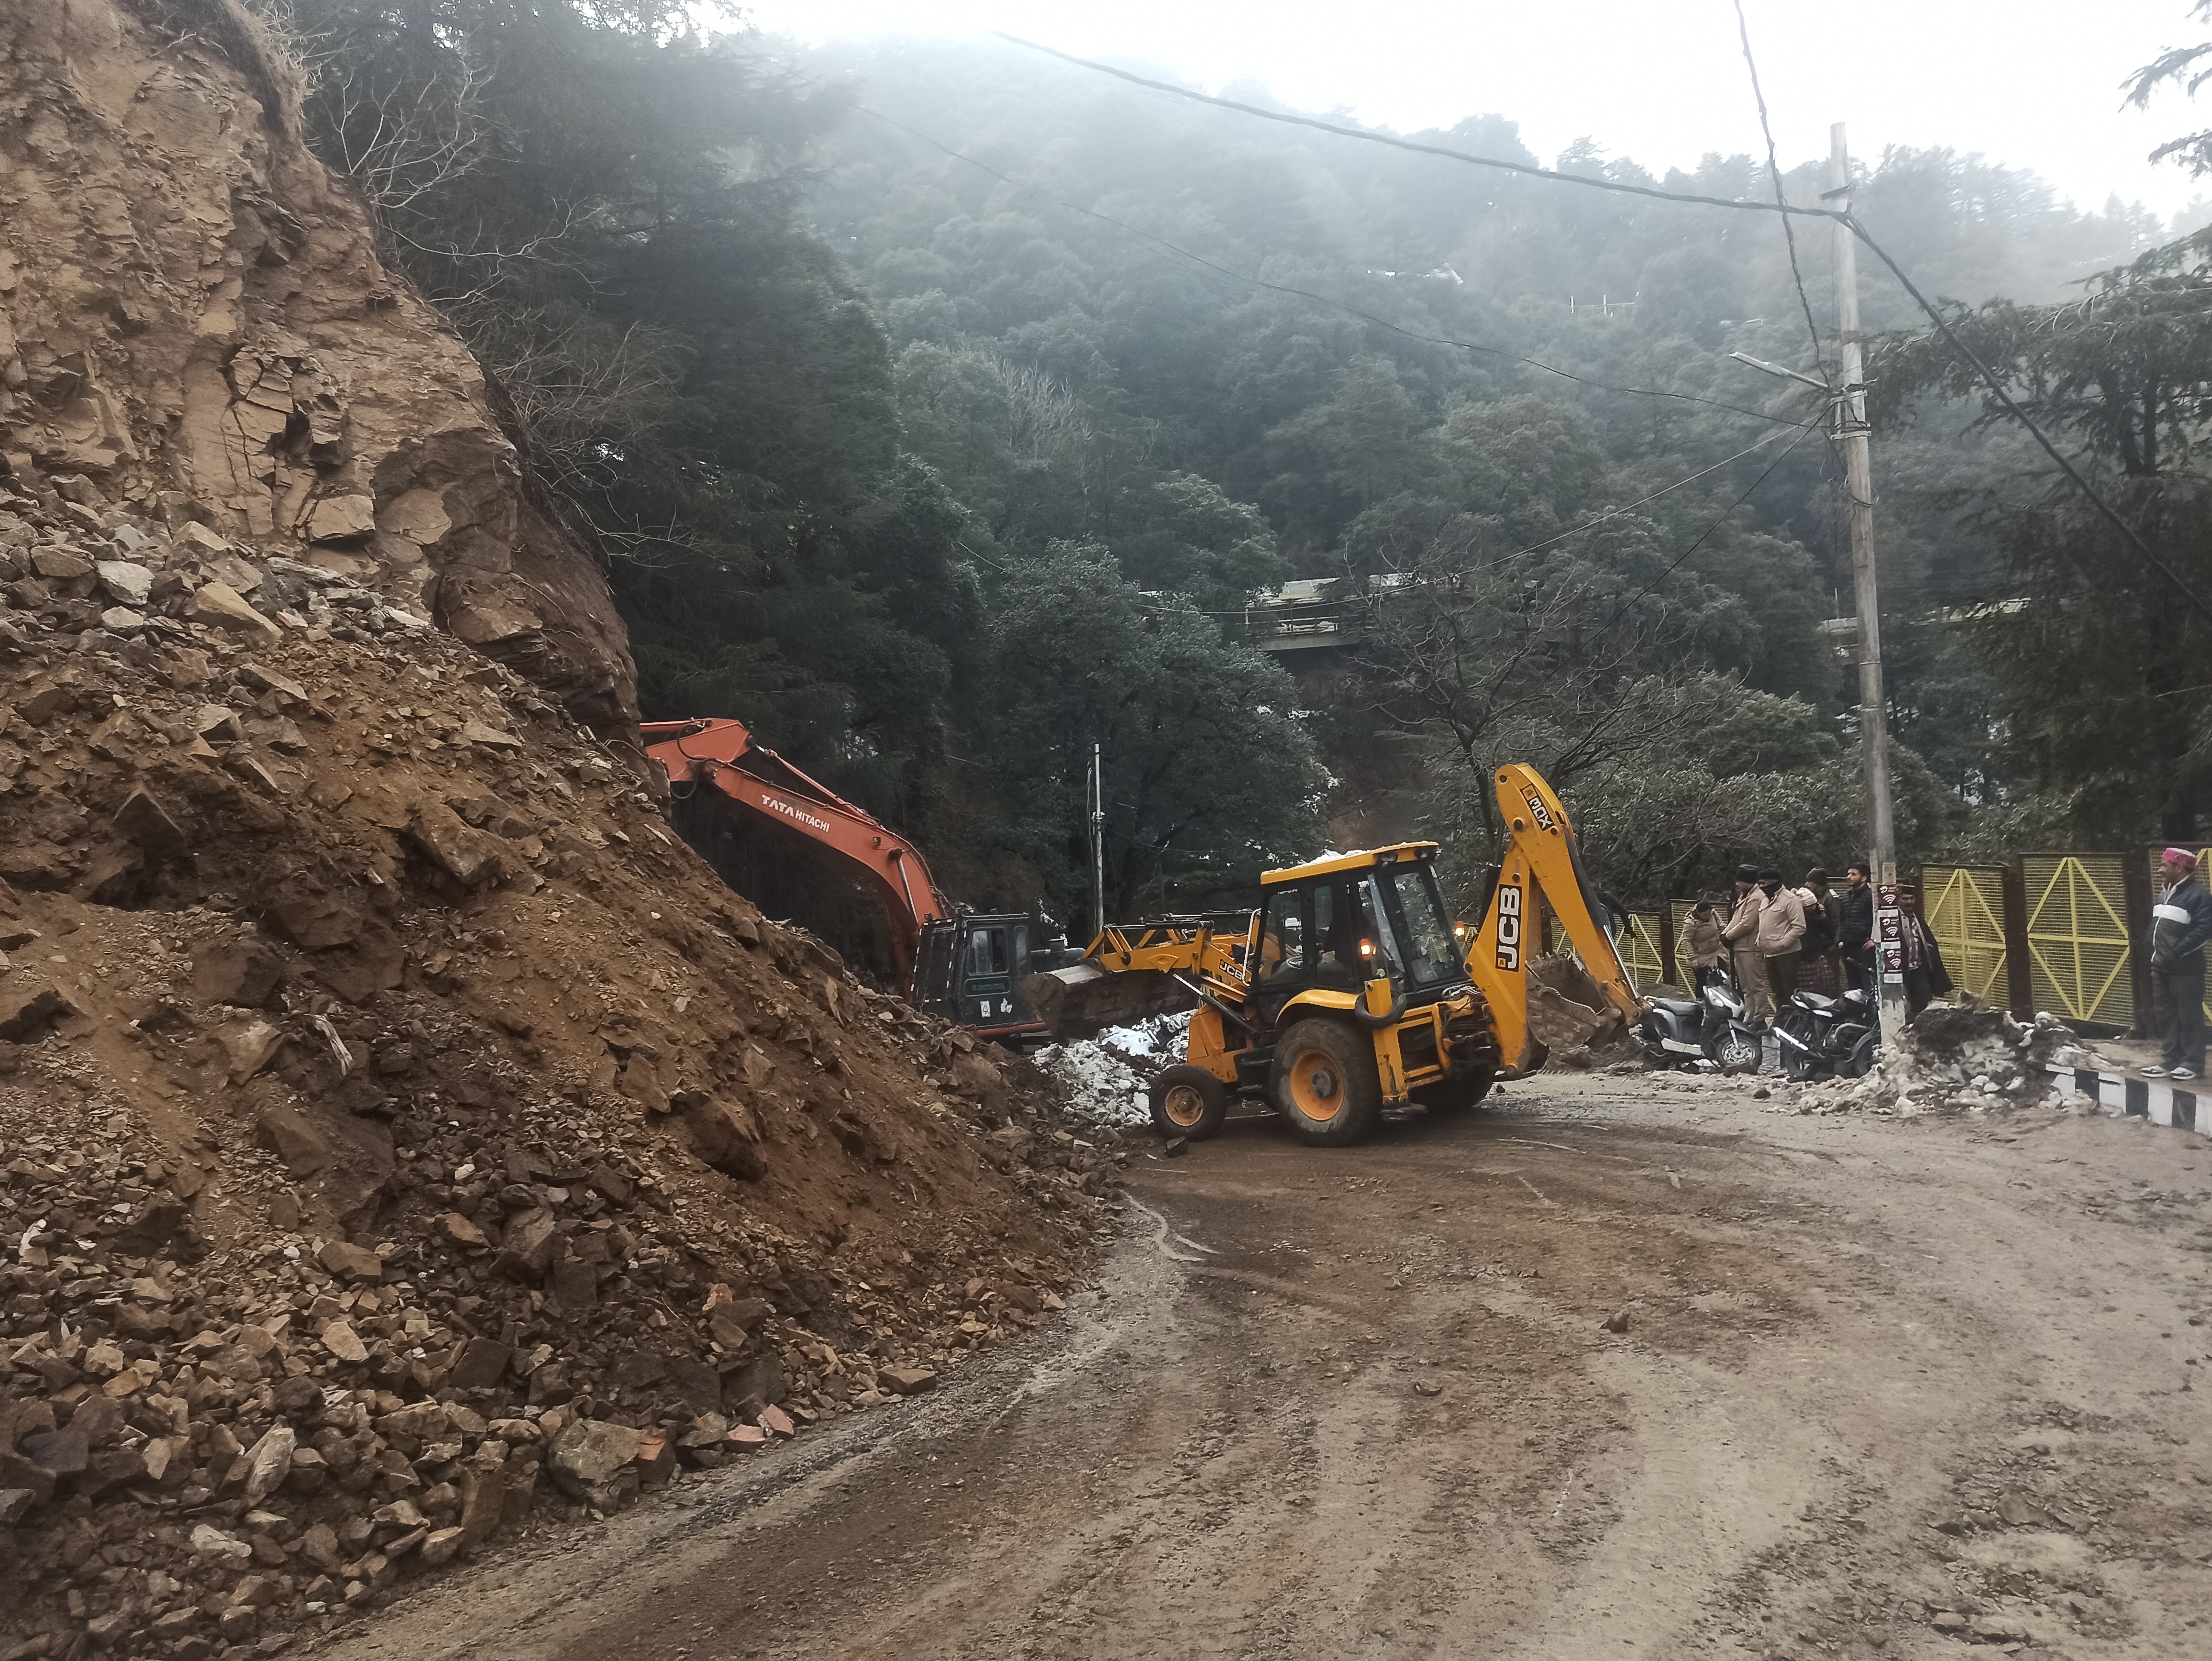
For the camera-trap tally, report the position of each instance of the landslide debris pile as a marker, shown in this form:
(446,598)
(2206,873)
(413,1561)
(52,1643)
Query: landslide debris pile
(1963,1057)
(404,1139)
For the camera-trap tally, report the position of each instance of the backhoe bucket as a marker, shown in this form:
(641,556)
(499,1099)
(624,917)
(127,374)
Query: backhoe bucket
(1083,999)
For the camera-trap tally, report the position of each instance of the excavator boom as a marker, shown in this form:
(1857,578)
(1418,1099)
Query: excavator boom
(720,755)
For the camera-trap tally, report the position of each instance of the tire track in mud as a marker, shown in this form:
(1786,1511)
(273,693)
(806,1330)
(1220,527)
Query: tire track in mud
(1363,1402)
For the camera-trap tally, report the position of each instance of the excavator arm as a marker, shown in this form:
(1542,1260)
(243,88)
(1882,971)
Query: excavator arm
(1542,857)
(720,755)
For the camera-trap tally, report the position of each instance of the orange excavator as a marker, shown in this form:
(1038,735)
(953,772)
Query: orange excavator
(962,966)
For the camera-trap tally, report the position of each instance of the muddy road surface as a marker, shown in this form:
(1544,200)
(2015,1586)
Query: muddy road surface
(1881,1389)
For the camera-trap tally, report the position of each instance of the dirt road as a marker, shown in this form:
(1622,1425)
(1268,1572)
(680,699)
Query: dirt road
(1878,1380)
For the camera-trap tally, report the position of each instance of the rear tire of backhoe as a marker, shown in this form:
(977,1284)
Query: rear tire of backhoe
(1189,1101)
(1326,1085)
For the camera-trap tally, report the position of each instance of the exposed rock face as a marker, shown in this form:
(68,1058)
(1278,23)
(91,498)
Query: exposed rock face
(193,320)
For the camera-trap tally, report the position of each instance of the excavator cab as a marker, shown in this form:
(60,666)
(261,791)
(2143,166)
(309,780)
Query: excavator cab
(969,970)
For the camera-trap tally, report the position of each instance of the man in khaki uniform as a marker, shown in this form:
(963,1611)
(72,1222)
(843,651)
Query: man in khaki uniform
(1741,934)
(1781,930)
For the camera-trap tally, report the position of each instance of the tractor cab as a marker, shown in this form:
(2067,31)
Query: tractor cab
(1337,924)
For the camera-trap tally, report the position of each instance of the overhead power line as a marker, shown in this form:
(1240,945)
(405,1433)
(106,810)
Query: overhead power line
(1291,289)
(2004,396)
(1950,337)
(1588,180)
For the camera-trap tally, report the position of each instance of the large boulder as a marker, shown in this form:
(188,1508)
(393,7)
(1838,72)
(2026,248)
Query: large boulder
(591,1460)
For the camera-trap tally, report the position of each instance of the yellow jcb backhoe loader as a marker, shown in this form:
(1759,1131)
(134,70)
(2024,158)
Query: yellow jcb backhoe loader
(1351,990)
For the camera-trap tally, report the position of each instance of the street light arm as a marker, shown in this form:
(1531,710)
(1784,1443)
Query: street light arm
(1760,363)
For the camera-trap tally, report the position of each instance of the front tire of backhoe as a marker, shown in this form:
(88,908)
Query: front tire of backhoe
(1326,1085)
(1455,1095)
(1189,1101)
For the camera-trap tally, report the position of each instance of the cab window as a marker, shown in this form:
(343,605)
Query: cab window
(1382,956)
(986,951)
(1337,933)
(1282,936)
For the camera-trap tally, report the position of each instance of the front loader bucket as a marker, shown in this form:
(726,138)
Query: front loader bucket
(1082,1000)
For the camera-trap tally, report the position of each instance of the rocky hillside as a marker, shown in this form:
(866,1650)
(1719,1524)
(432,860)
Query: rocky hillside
(393,1112)
(405,1140)
(192,315)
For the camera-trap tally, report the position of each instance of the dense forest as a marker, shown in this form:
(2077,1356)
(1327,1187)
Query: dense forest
(938,409)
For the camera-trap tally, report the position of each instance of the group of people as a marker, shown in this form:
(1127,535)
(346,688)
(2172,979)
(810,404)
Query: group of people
(1776,940)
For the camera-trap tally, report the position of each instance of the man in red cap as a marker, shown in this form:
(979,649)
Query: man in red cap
(2180,924)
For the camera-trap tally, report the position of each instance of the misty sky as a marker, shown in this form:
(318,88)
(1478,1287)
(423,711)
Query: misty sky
(2027,83)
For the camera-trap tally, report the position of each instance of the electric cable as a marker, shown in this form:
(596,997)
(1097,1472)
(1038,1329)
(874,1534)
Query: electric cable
(1740,204)
(1318,299)
(1774,172)
(1842,215)
(1989,377)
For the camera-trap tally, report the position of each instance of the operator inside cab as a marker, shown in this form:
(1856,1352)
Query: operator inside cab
(1342,930)
(1346,927)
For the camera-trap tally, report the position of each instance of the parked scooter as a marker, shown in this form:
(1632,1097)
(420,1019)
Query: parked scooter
(1712,1030)
(1820,1035)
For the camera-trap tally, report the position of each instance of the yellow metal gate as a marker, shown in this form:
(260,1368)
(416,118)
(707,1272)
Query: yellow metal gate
(2204,869)
(1965,908)
(2077,937)
(1681,910)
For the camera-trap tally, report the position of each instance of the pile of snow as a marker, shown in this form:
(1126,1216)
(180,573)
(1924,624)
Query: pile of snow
(1093,1083)
(1160,1042)
(1103,1080)
(1961,1058)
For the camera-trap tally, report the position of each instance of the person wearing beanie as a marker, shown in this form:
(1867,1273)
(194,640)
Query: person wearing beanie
(1741,934)
(2180,924)
(1818,969)
(1781,930)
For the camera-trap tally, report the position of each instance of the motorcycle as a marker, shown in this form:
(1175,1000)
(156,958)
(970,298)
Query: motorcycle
(1712,1030)
(1820,1035)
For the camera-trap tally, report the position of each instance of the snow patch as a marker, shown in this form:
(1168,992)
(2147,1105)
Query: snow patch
(1162,1039)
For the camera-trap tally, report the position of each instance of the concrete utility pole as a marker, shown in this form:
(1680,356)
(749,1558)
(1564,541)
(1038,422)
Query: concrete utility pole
(1851,435)
(1098,833)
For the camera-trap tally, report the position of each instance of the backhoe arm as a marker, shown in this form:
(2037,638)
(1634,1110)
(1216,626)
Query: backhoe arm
(1542,857)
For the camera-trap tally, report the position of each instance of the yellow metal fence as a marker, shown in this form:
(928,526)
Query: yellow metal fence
(1639,950)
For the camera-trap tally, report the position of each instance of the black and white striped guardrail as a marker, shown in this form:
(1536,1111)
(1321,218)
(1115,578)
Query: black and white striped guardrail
(2123,1097)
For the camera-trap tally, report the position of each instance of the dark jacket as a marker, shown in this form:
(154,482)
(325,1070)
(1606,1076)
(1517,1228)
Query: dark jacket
(1854,919)
(1820,921)
(2180,924)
